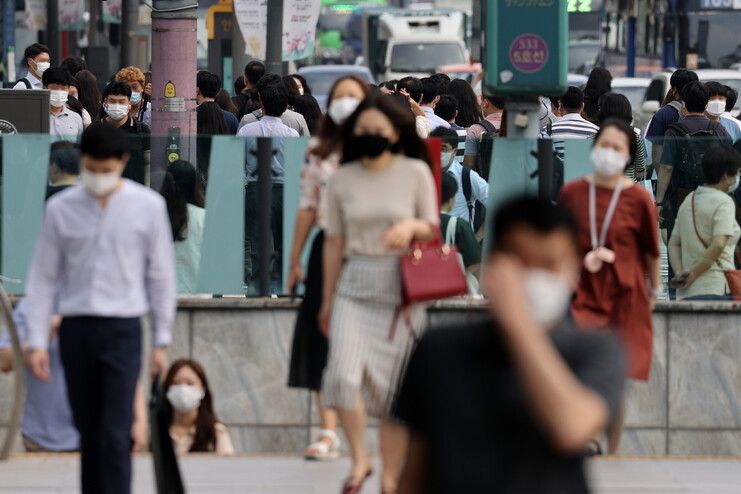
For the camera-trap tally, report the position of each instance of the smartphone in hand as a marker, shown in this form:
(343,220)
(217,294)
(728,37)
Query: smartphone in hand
(679,281)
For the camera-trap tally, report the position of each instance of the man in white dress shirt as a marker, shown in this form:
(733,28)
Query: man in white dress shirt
(104,258)
(38,60)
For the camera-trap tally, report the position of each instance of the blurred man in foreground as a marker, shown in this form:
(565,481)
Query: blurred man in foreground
(511,403)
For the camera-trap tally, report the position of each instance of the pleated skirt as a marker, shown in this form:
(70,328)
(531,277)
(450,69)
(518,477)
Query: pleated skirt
(365,357)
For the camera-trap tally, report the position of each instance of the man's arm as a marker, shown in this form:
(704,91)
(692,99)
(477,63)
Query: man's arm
(161,284)
(414,474)
(569,413)
(665,176)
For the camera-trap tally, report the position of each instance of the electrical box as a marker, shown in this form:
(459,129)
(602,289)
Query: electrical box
(526,47)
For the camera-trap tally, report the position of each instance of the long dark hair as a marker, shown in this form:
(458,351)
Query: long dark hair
(211,119)
(469,110)
(329,132)
(410,144)
(307,106)
(292,87)
(205,437)
(88,93)
(180,188)
(225,101)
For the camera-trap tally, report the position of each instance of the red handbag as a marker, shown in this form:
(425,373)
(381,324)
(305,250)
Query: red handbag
(431,271)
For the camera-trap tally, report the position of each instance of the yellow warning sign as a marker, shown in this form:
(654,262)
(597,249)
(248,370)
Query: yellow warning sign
(173,157)
(169,90)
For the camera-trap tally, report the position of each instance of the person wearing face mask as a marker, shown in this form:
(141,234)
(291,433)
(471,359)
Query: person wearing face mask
(63,122)
(194,427)
(669,113)
(512,401)
(38,60)
(380,200)
(134,77)
(493,109)
(705,236)
(716,109)
(309,350)
(103,259)
(472,195)
(117,106)
(618,242)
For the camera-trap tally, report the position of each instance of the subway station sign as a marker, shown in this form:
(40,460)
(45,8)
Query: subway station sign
(526,43)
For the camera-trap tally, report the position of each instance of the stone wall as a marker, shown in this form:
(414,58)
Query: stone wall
(690,405)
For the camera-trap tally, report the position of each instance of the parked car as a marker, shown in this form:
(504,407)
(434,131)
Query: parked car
(321,78)
(659,86)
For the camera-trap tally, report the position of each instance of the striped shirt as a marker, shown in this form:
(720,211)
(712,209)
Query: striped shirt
(570,126)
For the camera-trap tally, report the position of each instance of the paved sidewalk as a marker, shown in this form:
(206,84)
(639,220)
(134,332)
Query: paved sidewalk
(291,475)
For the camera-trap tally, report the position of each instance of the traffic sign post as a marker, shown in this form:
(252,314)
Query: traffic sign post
(526,43)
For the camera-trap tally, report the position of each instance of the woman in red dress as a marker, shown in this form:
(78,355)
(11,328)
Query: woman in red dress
(618,237)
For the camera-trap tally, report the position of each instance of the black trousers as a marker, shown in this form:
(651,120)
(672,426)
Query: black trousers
(102,358)
(252,234)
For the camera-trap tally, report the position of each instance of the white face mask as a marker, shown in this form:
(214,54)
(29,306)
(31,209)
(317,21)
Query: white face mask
(41,67)
(716,107)
(549,296)
(732,187)
(341,109)
(57,98)
(185,398)
(117,112)
(445,159)
(99,184)
(301,91)
(608,162)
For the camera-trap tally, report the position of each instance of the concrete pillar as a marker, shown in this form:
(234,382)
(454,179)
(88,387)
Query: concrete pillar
(129,28)
(173,83)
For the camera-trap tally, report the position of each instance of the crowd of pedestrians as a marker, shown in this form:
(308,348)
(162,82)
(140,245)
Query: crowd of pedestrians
(531,389)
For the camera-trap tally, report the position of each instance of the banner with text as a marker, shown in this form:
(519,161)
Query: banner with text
(70,14)
(252,16)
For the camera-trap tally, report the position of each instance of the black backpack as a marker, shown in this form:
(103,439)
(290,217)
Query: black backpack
(689,172)
(26,82)
(476,210)
(486,148)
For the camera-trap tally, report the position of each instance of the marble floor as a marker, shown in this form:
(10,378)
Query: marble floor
(292,475)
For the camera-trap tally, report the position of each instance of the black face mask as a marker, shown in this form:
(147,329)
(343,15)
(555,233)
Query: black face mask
(371,145)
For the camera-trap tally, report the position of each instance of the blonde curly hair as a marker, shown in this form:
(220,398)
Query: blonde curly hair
(130,74)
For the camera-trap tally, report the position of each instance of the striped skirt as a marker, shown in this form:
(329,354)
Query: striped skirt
(362,359)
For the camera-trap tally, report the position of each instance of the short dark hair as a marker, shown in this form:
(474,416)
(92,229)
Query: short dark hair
(720,160)
(34,51)
(573,99)
(274,99)
(56,75)
(614,105)
(101,142)
(239,85)
(429,90)
(443,82)
(270,79)
(446,107)
(117,88)
(253,71)
(209,83)
(497,101)
(448,136)
(390,85)
(681,77)
(74,65)
(539,214)
(66,156)
(695,96)
(412,85)
(731,98)
(716,89)
(448,187)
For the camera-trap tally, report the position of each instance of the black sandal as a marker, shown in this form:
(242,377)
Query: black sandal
(593,448)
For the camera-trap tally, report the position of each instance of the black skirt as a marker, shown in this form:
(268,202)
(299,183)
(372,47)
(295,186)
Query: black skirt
(309,352)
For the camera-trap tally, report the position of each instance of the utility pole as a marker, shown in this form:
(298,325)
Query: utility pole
(174,123)
(53,38)
(274,55)
(129,25)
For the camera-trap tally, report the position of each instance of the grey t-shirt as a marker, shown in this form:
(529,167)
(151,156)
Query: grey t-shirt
(47,416)
(290,118)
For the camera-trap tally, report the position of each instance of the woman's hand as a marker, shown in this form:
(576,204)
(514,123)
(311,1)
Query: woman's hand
(324,314)
(685,280)
(148,89)
(399,236)
(140,436)
(296,275)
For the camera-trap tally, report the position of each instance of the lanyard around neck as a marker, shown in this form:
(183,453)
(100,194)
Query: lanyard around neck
(608,217)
